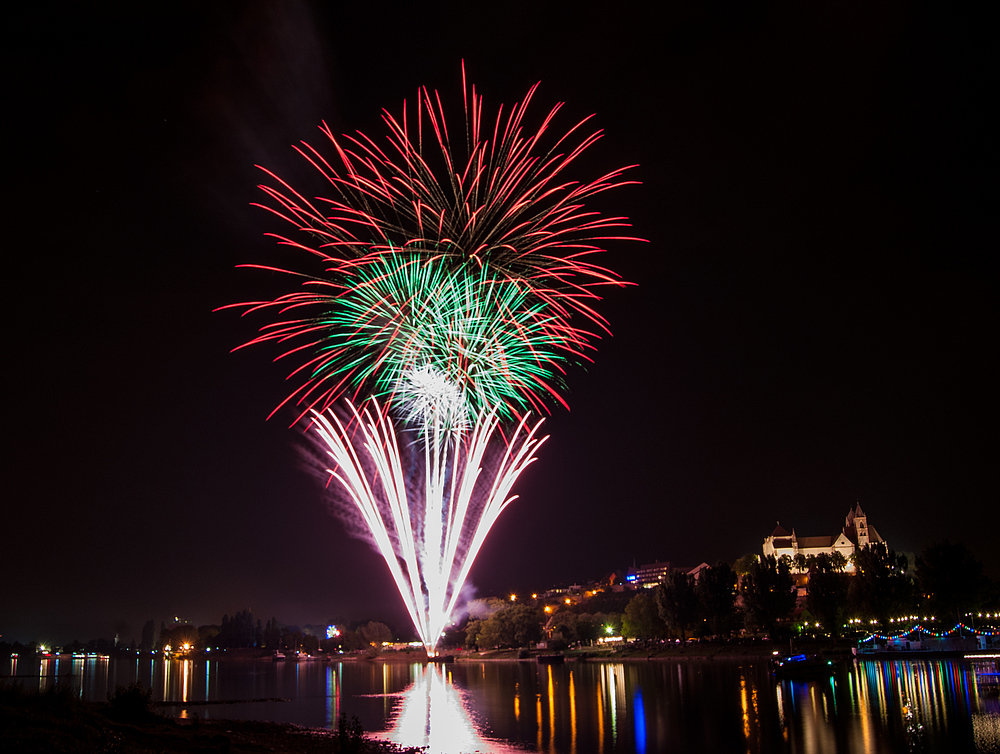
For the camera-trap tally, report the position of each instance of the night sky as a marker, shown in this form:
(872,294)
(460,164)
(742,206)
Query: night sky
(813,324)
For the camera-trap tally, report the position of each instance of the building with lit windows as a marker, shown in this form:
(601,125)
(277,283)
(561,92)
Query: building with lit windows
(649,575)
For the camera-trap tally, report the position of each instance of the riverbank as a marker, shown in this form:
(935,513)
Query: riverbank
(54,720)
(691,650)
(737,650)
(756,650)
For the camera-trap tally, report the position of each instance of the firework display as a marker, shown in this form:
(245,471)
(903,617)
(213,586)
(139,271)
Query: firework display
(444,309)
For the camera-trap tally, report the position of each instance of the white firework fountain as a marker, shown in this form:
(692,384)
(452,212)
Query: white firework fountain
(429,544)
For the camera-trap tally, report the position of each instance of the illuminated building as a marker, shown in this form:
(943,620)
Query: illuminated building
(651,574)
(855,534)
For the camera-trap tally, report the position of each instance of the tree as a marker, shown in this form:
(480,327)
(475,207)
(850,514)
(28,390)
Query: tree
(272,634)
(122,631)
(515,625)
(642,617)
(716,593)
(375,634)
(148,636)
(826,562)
(351,641)
(837,561)
(881,588)
(676,603)
(310,643)
(951,581)
(572,627)
(239,631)
(472,629)
(743,564)
(608,602)
(767,590)
(588,626)
(564,627)
(208,635)
(827,591)
(179,635)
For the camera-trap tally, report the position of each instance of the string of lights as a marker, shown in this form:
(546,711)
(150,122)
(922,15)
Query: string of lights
(921,629)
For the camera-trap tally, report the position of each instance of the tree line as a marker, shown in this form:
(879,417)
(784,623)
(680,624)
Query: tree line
(243,631)
(519,624)
(240,631)
(758,594)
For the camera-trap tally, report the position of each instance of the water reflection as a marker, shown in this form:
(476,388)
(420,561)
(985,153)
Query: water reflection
(434,714)
(610,693)
(640,722)
(83,675)
(178,683)
(808,716)
(749,707)
(499,707)
(577,708)
(881,706)
(680,707)
(334,682)
(986,718)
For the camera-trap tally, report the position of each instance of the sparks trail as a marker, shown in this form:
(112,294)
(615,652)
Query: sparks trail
(445,305)
(431,543)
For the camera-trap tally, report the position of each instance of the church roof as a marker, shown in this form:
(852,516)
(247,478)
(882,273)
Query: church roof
(780,532)
(822,541)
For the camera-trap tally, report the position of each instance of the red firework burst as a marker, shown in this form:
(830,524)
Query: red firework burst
(503,205)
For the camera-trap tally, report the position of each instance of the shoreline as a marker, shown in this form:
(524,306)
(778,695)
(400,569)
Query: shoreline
(693,651)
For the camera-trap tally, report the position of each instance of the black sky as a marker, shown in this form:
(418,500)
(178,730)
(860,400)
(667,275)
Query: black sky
(814,322)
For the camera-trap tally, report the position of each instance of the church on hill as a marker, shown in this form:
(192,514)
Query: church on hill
(856,534)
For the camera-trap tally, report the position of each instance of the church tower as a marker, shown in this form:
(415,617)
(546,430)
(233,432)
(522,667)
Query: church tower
(861,526)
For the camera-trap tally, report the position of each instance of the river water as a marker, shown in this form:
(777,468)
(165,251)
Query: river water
(579,707)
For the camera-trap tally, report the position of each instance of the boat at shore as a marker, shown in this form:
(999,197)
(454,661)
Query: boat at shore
(550,659)
(802,667)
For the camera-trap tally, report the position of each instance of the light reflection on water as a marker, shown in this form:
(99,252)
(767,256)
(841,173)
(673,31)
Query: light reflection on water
(433,713)
(882,707)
